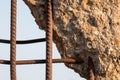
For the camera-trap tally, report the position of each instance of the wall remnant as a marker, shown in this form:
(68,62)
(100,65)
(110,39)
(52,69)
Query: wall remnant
(83,29)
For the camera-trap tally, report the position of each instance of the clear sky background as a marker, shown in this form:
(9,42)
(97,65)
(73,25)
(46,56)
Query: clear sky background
(27,29)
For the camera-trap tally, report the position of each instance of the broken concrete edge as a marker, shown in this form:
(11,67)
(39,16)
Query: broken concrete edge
(93,34)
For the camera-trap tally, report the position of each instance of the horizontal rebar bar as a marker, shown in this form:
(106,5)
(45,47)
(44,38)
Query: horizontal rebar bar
(23,62)
(23,41)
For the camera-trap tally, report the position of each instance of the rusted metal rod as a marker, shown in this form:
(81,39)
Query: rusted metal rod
(43,61)
(90,69)
(13,40)
(24,41)
(49,41)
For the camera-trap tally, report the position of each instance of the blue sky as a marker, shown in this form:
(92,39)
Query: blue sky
(27,29)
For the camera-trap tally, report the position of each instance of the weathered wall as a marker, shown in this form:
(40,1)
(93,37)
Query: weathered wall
(84,28)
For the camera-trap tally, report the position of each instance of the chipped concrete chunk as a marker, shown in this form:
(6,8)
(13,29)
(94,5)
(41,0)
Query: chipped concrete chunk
(82,29)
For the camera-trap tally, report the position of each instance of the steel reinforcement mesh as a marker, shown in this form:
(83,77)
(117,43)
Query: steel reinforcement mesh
(48,61)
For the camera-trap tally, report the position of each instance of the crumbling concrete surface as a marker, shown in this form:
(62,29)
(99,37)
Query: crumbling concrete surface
(82,29)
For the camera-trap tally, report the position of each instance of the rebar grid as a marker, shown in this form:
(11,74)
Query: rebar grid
(48,40)
(13,40)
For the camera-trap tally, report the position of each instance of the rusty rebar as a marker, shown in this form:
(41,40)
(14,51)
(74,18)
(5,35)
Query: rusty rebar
(42,61)
(23,41)
(13,40)
(90,69)
(49,41)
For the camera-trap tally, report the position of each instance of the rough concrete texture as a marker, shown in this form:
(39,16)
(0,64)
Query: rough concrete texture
(84,28)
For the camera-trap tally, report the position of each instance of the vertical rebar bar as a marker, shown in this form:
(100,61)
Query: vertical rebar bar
(13,40)
(90,69)
(49,42)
